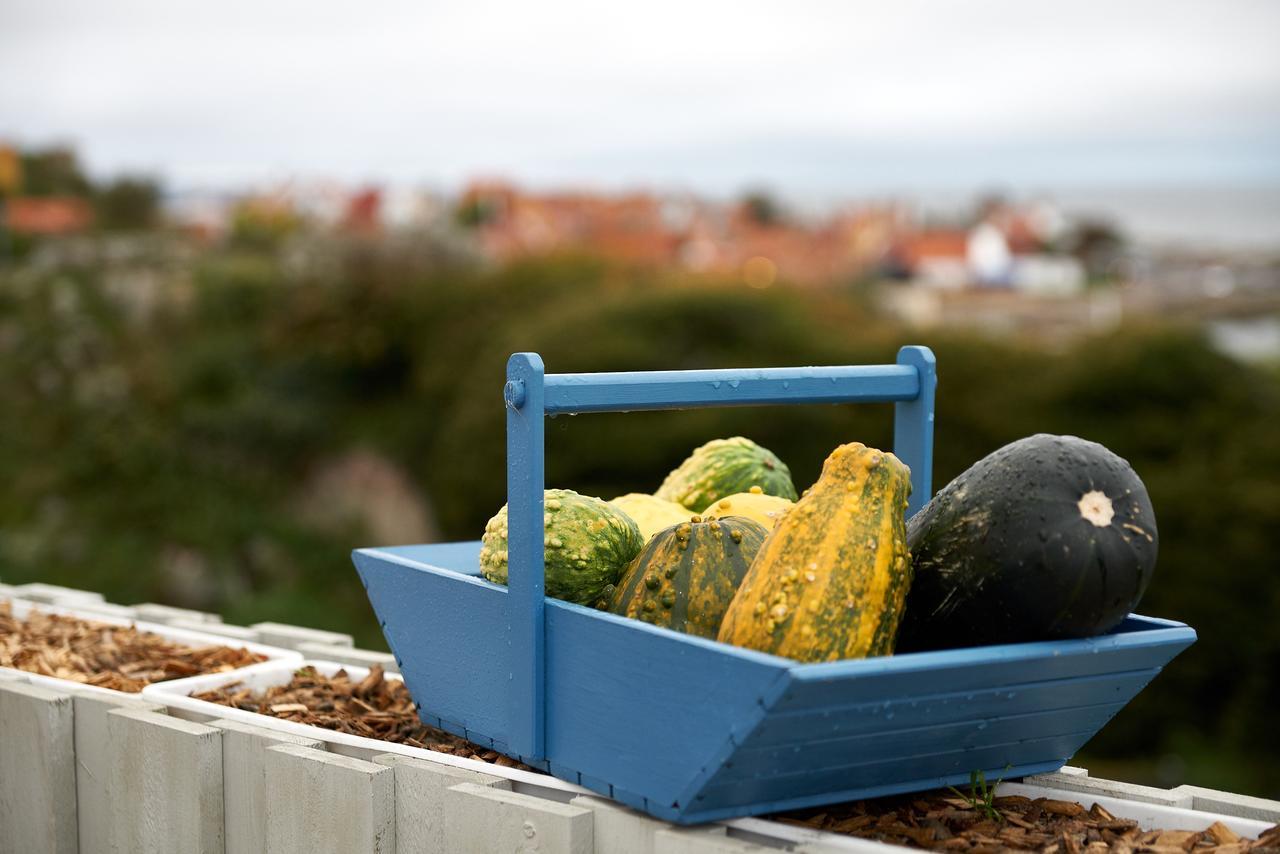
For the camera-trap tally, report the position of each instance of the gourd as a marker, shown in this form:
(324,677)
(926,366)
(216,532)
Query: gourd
(754,504)
(688,573)
(831,579)
(1048,537)
(650,514)
(587,544)
(723,467)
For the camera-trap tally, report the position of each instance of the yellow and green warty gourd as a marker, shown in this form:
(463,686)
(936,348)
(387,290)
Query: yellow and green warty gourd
(754,504)
(587,544)
(723,467)
(687,574)
(650,514)
(830,581)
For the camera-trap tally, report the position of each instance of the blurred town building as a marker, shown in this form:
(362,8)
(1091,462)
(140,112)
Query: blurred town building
(37,210)
(33,215)
(751,237)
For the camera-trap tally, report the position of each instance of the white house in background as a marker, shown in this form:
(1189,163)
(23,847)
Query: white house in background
(983,257)
(988,256)
(936,258)
(1048,275)
(412,207)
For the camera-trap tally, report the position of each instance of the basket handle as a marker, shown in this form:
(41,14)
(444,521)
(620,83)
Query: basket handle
(531,394)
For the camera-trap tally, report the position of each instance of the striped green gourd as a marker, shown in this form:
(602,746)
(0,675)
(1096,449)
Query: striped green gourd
(724,467)
(688,573)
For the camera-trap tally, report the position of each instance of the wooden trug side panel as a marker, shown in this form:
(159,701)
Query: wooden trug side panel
(449,633)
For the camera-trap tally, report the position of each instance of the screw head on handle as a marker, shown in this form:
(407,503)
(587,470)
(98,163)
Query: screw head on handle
(513,393)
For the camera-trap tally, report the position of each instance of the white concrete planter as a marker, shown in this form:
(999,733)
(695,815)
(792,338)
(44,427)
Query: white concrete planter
(182,635)
(53,594)
(1147,815)
(176,696)
(739,832)
(92,770)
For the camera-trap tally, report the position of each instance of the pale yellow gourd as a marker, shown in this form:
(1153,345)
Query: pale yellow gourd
(765,509)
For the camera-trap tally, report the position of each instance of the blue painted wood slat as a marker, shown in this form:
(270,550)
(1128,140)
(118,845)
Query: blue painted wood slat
(921,707)
(992,760)
(523,397)
(465,674)
(631,392)
(913,425)
(887,737)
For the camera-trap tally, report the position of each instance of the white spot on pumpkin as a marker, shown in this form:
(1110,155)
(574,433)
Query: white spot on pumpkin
(1097,508)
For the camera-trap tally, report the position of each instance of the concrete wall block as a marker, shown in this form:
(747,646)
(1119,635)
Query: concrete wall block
(107,609)
(166,780)
(1110,788)
(619,830)
(480,820)
(420,788)
(53,594)
(37,770)
(152,612)
(703,840)
(321,802)
(244,781)
(1048,779)
(1227,803)
(94,756)
(240,634)
(347,655)
(282,634)
(844,845)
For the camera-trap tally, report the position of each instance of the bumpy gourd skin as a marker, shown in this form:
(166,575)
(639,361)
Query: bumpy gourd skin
(587,545)
(650,514)
(830,581)
(687,574)
(753,504)
(723,467)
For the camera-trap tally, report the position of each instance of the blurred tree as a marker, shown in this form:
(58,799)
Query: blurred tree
(262,223)
(475,212)
(1098,245)
(10,171)
(128,203)
(53,172)
(762,208)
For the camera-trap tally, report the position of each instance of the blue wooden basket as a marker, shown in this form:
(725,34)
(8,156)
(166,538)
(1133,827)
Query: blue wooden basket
(691,730)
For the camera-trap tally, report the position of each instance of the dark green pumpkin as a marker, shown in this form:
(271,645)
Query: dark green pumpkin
(1049,537)
(687,574)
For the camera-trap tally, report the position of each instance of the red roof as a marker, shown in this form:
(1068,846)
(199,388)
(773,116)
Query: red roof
(934,244)
(29,215)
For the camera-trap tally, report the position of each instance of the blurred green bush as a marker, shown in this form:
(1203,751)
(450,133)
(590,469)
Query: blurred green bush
(161,443)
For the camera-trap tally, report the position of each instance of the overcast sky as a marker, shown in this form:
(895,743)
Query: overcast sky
(802,96)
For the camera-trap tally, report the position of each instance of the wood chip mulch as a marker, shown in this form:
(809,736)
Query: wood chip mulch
(105,654)
(374,707)
(940,821)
